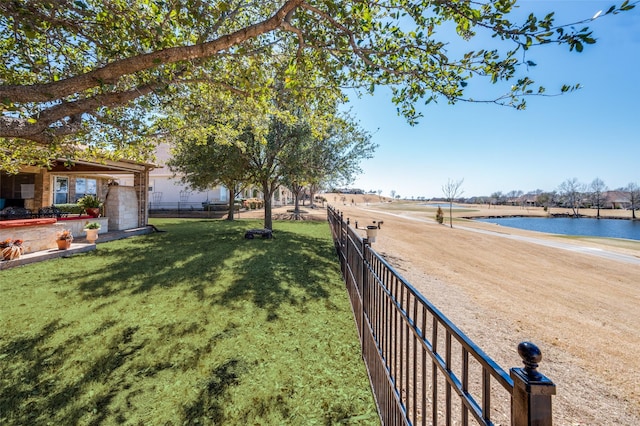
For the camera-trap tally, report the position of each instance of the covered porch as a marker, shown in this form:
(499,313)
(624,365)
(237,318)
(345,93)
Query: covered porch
(27,198)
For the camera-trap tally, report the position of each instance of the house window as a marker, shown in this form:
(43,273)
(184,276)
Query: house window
(61,190)
(15,188)
(85,187)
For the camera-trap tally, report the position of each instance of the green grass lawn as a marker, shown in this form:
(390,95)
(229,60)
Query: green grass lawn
(195,325)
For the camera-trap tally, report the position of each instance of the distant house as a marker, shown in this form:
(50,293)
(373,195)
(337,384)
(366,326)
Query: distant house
(167,192)
(617,200)
(348,190)
(527,200)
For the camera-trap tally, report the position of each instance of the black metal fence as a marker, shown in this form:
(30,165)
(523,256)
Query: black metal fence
(423,370)
(188,210)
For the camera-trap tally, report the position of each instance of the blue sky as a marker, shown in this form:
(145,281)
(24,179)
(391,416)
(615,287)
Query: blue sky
(588,134)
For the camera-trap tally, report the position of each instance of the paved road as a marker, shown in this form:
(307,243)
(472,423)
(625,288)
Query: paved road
(564,246)
(611,255)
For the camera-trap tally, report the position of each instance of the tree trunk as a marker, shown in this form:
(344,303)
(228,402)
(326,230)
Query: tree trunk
(297,190)
(296,205)
(451,214)
(312,192)
(231,205)
(268,220)
(575,208)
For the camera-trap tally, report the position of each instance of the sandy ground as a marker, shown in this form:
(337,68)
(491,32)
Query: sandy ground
(579,308)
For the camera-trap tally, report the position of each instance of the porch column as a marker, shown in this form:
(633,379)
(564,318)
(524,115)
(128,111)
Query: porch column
(141,185)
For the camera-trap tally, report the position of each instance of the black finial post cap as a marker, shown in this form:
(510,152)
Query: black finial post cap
(531,356)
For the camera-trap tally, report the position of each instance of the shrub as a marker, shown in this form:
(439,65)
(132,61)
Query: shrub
(440,215)
(70,208)
(253,203)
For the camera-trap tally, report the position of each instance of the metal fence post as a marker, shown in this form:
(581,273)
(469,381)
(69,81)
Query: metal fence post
(532,391)
(365,294)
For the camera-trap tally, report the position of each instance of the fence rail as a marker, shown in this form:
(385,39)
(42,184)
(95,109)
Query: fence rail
(188,209)
(423,370)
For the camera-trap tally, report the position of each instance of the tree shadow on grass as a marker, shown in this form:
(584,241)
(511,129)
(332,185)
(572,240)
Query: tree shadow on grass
(30,392)
(31,380)
(209,405)
(291,269)
(191,257)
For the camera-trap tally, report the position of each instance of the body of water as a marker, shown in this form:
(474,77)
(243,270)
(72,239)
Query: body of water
(610,228)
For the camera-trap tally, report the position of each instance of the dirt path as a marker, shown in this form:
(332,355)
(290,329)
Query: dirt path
(580,309)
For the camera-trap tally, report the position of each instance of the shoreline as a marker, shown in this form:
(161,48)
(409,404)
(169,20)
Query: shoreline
(551,216)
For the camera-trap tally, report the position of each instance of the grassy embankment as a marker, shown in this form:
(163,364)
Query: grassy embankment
(195,325)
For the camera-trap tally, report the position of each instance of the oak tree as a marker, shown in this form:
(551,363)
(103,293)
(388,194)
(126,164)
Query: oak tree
(92,74)
(204,165)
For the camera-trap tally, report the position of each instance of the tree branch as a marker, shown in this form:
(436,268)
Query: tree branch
(110,73)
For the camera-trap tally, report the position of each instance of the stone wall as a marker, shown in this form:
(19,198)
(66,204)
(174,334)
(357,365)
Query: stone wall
(76,226)
(35,238)
(43,237)
(121,207)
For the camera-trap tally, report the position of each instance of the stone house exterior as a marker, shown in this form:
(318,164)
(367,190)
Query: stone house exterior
(122,185)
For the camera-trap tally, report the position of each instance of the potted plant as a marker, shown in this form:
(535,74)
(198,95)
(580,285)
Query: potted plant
(92,228)
(64,239)
(11,249)
(91,204)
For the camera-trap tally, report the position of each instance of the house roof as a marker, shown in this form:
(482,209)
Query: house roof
(617,196)
(108,166)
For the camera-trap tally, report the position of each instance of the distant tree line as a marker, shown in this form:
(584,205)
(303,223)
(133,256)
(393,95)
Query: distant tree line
(571,194)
